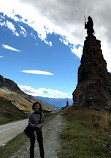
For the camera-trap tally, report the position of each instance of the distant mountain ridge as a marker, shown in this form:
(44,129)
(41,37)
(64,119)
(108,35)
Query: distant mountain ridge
(56,102)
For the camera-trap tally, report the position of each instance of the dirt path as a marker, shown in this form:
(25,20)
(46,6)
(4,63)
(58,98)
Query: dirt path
(51,140)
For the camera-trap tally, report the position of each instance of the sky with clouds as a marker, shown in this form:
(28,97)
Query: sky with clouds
(41,42)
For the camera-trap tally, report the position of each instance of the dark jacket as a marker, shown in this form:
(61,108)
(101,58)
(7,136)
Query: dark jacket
(34,120)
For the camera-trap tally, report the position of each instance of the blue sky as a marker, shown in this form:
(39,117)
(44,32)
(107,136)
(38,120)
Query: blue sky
(40,49)
(21,54)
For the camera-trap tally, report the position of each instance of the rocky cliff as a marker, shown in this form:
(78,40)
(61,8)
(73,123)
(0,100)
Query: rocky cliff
(94,82)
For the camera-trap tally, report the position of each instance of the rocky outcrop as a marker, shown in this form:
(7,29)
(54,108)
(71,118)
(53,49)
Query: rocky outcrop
(9,84)
(94,82)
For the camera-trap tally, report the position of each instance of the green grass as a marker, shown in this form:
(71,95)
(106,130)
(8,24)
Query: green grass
(16,143)
(83,136)
(13,145)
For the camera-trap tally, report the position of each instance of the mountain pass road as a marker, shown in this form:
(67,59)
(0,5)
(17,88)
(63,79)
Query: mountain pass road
(11,130)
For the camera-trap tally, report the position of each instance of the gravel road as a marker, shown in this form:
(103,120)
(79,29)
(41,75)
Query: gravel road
(51,140)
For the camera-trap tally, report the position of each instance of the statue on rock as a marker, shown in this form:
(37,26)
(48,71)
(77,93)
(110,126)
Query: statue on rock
(93,90)
(67,103)
(89,27)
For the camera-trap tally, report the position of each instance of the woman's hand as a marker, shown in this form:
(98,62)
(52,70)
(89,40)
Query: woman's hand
(39,126)
(35,133)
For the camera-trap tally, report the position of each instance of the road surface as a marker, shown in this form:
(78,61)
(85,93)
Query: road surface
(9,131)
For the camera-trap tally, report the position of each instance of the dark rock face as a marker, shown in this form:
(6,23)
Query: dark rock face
(94,82)
(9,84)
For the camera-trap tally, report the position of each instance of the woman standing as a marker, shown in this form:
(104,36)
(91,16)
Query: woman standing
(36,120)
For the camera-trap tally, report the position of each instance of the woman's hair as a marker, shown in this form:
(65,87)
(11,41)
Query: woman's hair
(33,106)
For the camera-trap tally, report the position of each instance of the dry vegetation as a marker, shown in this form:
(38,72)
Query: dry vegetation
(101,119)
(88,134)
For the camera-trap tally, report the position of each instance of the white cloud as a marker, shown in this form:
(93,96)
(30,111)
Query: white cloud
(64,41)
(2,23)
(23,31)
(10,48)
(10,26)
(78,51)
(37,72)
(33,35)
(44,92)
(1,56)
(49,43)
(107,56)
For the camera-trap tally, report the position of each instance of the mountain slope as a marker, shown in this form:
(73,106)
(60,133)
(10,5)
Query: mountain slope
(9,112)
(11,92)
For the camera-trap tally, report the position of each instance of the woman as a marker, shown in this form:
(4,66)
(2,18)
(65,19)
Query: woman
(36,120)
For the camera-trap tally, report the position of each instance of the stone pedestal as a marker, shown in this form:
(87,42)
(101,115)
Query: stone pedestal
(94,82)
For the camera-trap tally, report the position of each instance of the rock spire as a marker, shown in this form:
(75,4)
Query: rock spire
(94,82)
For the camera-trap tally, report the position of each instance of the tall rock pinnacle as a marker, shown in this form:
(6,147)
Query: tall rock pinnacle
(94,82)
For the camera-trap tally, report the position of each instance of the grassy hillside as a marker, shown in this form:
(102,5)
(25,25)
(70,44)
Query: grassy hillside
(23,102)
(9,112)
(88,134)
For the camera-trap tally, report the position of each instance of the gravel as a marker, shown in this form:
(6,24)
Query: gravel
(51,140)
